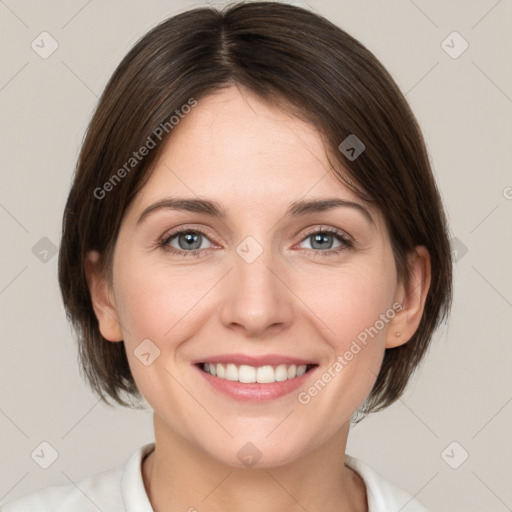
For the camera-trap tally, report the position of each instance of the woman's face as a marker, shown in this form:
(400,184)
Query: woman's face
(259,288)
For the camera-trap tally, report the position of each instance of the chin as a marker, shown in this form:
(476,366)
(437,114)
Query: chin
(257,452)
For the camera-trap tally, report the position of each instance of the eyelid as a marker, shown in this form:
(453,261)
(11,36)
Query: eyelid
(326,229)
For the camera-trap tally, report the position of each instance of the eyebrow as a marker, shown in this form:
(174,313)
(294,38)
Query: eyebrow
(212,208)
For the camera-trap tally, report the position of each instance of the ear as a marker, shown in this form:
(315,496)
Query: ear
(102,298)
(412,299)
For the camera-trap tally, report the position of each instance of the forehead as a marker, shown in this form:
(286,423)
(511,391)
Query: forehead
(243,152)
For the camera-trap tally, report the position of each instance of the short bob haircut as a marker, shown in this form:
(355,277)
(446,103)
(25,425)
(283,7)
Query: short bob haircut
(295,60)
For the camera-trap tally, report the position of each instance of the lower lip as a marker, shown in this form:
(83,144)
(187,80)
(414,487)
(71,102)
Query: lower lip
(255,392)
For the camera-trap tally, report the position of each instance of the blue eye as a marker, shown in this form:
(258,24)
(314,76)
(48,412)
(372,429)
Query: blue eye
(322,241)
(191,242)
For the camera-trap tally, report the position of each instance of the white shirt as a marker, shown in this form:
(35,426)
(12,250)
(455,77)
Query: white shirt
(122,490)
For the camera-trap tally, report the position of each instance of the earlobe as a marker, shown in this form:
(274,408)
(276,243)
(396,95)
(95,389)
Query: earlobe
(406,321)
(101,297)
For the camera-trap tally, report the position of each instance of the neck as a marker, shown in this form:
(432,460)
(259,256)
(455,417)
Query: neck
(179,476)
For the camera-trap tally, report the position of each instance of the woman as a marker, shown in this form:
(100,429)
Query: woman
(253,244)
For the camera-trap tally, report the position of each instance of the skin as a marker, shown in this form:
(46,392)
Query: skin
(291,300)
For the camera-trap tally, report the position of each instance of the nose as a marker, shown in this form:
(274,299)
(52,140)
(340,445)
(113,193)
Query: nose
(256,298)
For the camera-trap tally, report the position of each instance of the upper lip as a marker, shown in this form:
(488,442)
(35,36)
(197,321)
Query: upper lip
(256,361)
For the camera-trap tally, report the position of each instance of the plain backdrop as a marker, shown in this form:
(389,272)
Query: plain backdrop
(447,441)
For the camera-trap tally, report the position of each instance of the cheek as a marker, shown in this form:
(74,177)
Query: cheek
(154,306)
(355,309)
(166,306)
(354,301)
(155,301)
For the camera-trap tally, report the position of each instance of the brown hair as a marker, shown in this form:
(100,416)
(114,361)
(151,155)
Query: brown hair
(294,59)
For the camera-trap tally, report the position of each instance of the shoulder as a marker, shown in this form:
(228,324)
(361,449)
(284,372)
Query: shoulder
(101,491)
(383,495)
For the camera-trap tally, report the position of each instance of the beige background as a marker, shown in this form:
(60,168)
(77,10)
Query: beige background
(463,392)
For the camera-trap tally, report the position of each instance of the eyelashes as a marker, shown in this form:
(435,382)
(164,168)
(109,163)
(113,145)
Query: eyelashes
(192,236)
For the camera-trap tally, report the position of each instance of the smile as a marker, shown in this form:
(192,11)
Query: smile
(255,379)
(246,374)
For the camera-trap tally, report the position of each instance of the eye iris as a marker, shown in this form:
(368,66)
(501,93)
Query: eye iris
(320,238)
(192,241)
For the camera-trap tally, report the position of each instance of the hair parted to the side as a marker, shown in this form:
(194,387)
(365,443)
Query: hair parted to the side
(296,60)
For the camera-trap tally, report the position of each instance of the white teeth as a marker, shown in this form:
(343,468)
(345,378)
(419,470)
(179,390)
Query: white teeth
(231,372)
(250,374)
(247,374)
(265,375)
(282,373)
